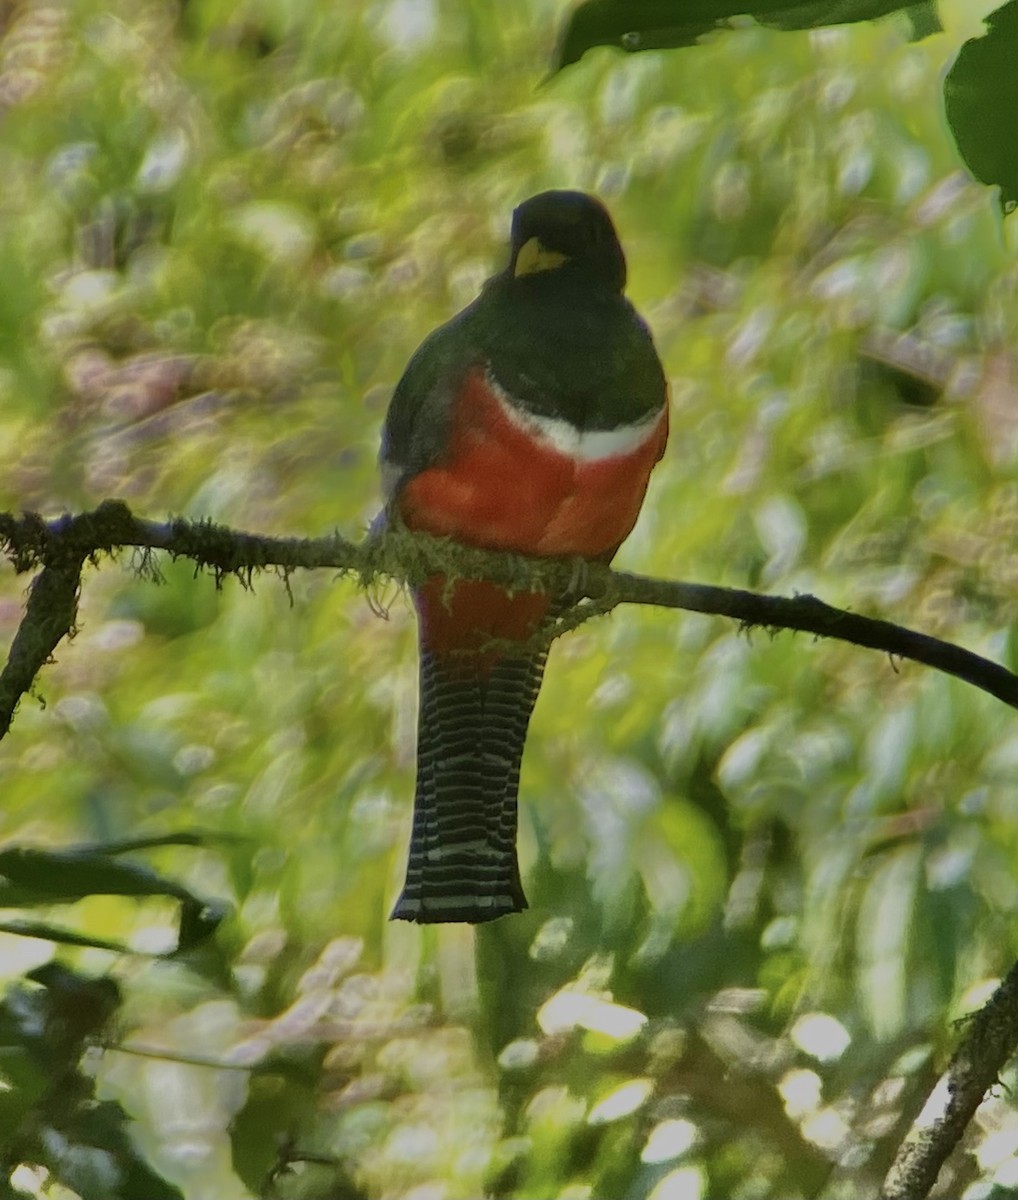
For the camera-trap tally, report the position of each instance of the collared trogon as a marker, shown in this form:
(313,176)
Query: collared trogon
(530,422)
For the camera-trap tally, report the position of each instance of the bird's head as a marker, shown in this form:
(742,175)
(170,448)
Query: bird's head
(569,232)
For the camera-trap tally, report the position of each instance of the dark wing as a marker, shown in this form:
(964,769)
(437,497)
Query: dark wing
(417,425)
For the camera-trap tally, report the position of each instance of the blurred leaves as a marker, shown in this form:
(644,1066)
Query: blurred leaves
(30,877)
(779,869)
(980,90)
(49,1114)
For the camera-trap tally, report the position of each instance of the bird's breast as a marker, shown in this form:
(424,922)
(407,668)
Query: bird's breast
(516,480)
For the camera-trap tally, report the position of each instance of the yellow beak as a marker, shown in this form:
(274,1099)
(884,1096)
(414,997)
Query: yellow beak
(534,257)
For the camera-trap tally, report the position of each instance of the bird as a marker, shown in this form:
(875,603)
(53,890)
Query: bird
(529,422)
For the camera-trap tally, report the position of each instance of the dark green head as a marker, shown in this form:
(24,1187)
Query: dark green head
(569,232)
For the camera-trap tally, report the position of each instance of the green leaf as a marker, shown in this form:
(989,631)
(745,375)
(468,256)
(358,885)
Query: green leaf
(278,1106)
(64,937)
(981,100)
(198,922)
(94,1155)
(78,1006)
(646,25)
(634,25)
(924,18)
(818,13)
(25,1080)
(30,876)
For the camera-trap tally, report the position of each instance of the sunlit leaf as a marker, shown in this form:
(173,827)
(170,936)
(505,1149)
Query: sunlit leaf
(883,940)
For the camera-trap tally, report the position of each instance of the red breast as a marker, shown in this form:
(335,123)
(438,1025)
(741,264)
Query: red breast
(514,481)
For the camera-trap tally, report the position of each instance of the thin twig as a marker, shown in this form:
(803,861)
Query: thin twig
(188,1060)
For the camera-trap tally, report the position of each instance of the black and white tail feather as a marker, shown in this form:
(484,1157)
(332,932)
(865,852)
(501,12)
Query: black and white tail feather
(472,728)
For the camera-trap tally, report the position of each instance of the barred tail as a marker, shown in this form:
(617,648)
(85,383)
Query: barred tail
(474,713)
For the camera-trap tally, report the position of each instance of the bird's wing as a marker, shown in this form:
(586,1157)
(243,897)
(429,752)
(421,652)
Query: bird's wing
(417,426)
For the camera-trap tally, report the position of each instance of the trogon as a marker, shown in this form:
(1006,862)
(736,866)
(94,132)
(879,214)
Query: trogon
(530,422)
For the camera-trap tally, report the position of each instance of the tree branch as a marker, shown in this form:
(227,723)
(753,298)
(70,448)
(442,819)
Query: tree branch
(61,547)
(989,1042)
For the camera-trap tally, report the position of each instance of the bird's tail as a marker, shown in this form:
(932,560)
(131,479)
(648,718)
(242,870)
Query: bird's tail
(475,706)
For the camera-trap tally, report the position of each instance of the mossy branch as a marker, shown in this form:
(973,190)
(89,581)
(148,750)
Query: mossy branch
(58,549)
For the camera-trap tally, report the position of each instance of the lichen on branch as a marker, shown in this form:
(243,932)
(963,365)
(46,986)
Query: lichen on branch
(62,546)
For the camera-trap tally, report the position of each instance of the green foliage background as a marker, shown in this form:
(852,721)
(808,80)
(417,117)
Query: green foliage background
(765,874)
